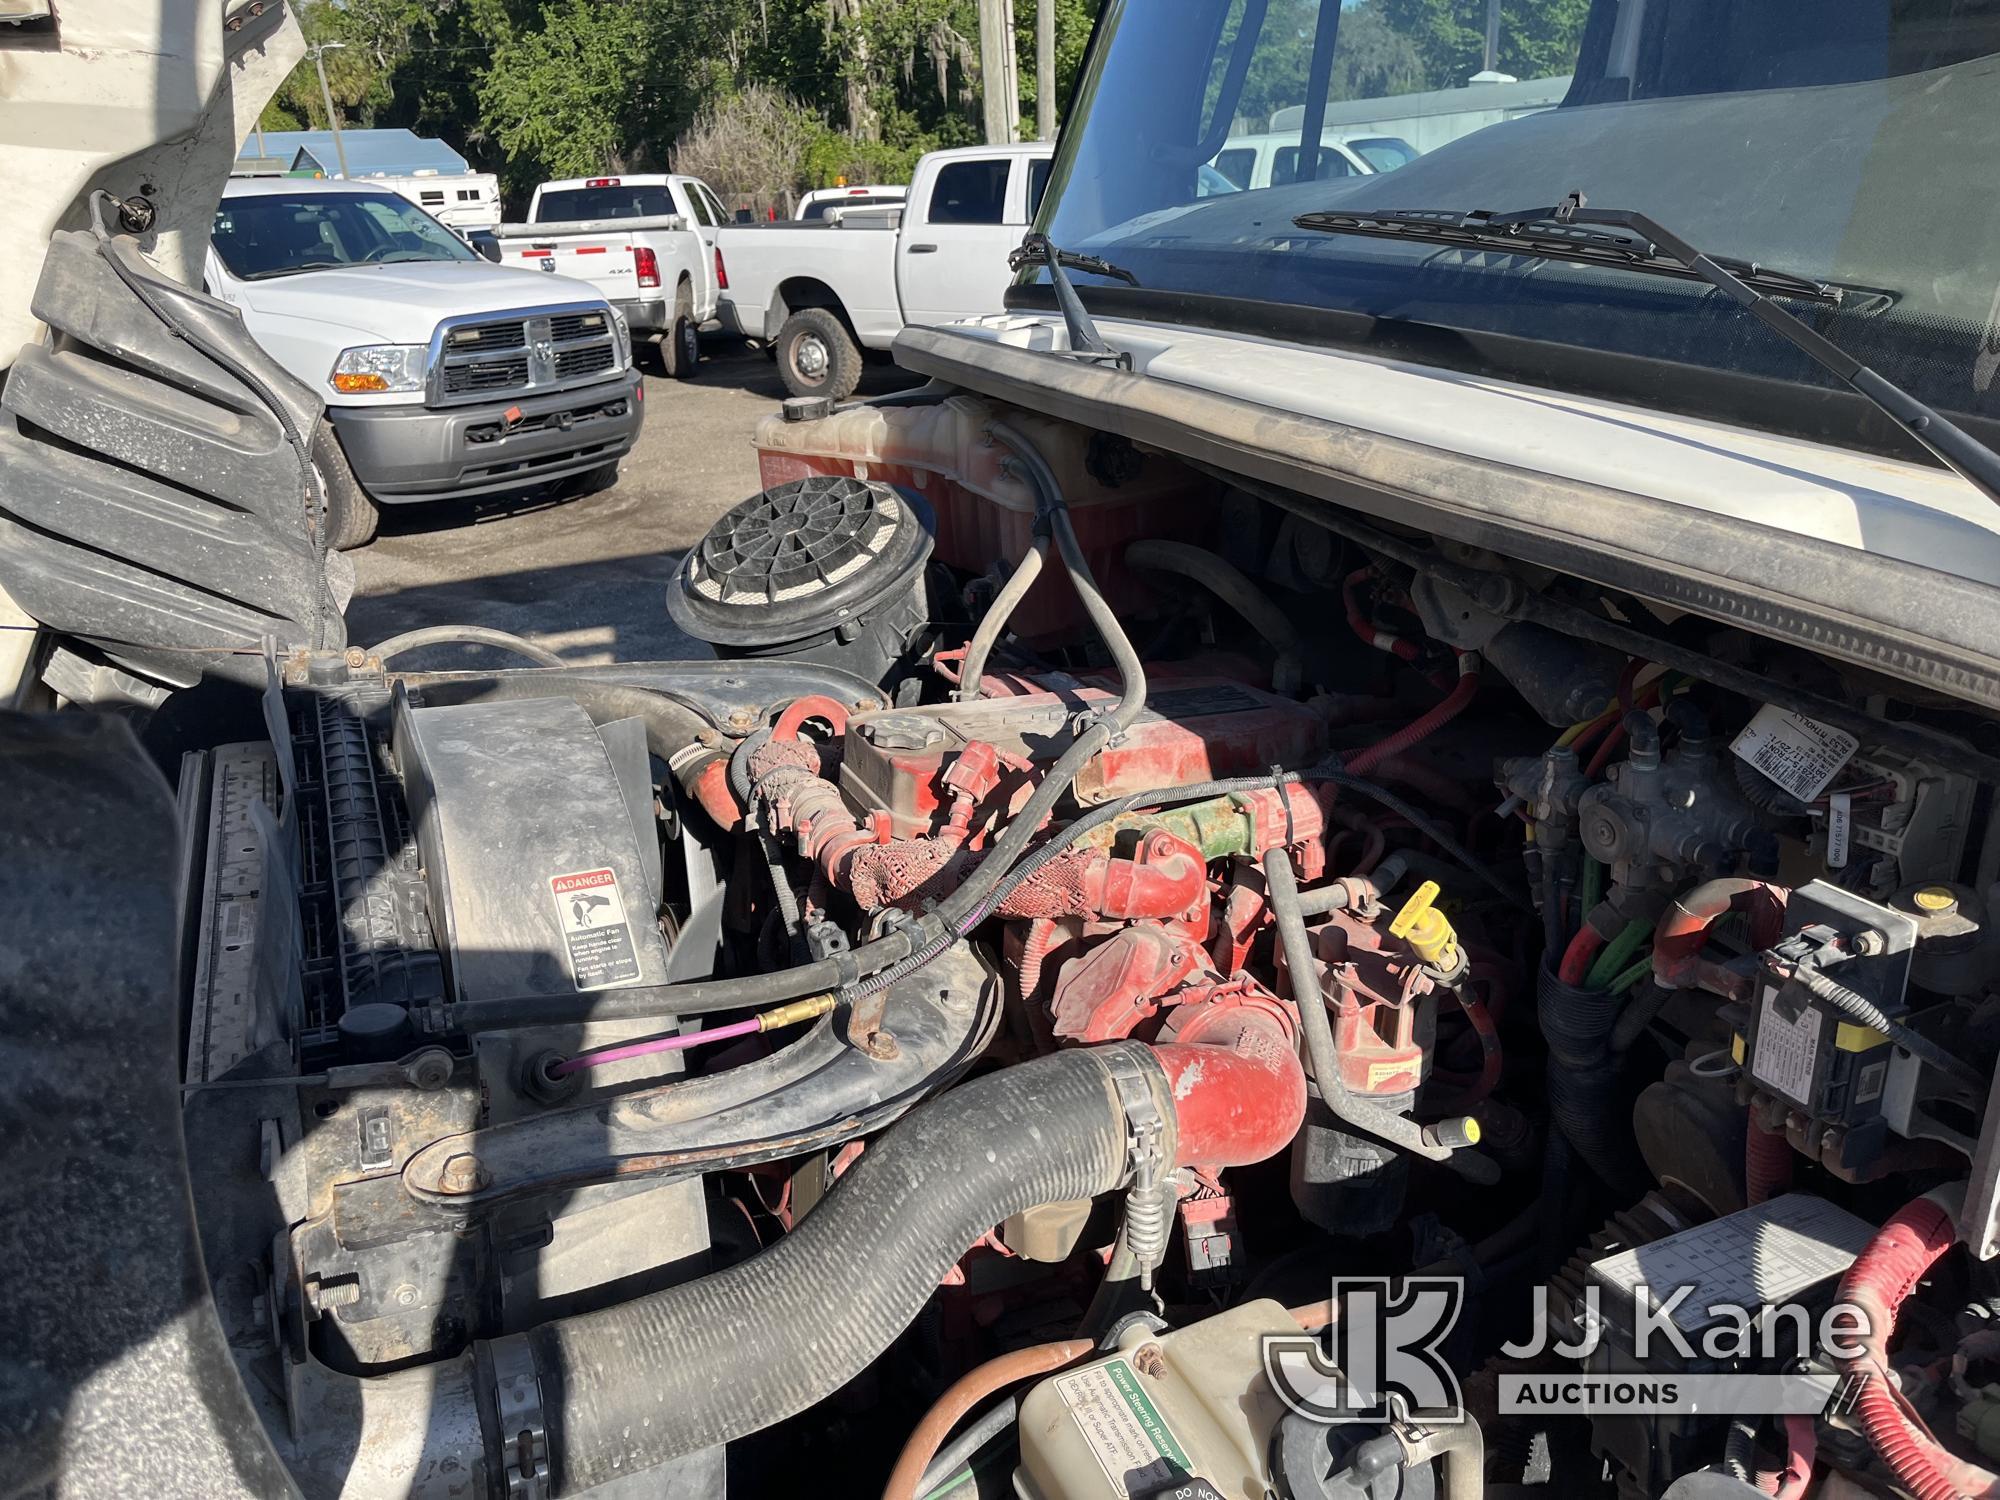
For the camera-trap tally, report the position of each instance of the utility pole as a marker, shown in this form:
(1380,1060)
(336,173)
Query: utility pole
(1045,70)
(326,95)
(999,94)
(1492,64)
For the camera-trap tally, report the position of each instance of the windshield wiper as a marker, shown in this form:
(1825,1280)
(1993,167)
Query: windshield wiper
(1572,231)
(1084,340)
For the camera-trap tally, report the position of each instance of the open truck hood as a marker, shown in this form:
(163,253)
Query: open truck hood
(160,506)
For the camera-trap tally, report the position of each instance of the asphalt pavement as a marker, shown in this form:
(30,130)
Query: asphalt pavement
(584,577)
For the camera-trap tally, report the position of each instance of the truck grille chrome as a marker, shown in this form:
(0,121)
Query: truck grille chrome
(537,351)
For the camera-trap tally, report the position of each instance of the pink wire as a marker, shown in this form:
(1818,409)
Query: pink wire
(619,1053)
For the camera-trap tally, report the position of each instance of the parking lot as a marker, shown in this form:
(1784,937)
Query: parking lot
(584,577)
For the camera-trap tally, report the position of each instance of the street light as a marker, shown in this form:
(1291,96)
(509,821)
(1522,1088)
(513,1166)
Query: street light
(326,95)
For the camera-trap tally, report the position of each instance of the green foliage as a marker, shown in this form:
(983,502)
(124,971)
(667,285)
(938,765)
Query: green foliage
(543,88)
(1538,38)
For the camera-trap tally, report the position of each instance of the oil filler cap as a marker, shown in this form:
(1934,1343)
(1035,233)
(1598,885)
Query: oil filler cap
(814,568)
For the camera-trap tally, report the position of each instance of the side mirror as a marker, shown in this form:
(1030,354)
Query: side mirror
(486,242)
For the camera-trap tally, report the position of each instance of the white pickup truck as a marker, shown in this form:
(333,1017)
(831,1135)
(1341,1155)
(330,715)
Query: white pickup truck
(647,243)
(820,293)
(443,377)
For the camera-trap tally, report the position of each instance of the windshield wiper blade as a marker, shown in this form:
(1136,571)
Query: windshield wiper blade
(1084,339)
(1573,231)
(1545,232)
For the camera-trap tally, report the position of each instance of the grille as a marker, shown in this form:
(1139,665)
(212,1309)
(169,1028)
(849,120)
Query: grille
(571,363)
(482,337)
(566,326)
(542,350)
(494,375)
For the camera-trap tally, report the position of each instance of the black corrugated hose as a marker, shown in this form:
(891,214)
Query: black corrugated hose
(668,1374)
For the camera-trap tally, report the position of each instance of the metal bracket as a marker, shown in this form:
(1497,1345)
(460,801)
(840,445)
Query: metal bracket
(524,1433)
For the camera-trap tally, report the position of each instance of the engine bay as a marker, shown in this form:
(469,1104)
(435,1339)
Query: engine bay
(1091,912)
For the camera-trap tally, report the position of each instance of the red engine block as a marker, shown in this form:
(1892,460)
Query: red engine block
(897,762)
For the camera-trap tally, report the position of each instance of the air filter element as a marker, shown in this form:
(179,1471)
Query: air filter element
(827,569)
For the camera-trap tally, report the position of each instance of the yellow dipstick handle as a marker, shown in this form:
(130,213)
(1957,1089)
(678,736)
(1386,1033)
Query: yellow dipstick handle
(1426,929)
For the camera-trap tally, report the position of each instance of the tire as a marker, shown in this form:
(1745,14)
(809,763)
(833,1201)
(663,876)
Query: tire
(591,481)
(817,356)
(351,517)
(680,349)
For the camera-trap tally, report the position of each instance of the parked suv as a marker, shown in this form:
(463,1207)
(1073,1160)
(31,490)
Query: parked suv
(444,376)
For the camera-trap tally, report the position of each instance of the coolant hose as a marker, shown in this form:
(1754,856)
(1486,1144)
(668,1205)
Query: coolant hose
(971,1388)
(647,1381)
(1584,1097)
(1302,975)
(1881,1279)
(1222,579)
(1049,499)
(465,635)
(972,671)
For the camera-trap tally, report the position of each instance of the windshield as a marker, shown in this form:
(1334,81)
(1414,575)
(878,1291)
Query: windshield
(566,205)
(1848,141)
(281,234)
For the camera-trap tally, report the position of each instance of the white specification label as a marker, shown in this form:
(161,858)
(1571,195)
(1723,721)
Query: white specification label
(1754,1258)
(1786,1050)
(1123,1428)
(1839,829)
(591,914)
(1802,755)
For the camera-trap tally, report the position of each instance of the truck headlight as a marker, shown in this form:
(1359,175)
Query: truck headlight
(622,331)
(376,368)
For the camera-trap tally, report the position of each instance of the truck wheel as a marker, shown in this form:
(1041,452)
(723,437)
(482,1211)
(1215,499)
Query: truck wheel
(817,356)
(680,350)
(351,517)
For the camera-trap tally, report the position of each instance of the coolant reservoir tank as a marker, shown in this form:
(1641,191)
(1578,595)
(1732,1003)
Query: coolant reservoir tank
(1193,1402)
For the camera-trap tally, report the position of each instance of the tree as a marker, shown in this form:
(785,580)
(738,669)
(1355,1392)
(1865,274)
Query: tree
(1538,38)
(751,147)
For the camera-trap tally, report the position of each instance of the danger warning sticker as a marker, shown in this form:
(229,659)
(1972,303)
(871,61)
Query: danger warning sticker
(591,914)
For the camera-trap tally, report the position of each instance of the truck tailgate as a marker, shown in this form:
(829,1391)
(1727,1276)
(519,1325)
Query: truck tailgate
(605,261)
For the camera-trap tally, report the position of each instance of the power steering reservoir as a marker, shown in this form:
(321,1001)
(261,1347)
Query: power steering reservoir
(1160,1416)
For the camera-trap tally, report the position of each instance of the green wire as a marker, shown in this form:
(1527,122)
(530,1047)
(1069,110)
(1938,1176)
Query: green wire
(1593,886)
(1617,953)
(1643,969)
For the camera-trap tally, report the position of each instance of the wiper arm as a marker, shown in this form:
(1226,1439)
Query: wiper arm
(1572,231)
(1084,339)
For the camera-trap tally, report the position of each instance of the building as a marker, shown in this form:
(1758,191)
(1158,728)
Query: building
(370,153)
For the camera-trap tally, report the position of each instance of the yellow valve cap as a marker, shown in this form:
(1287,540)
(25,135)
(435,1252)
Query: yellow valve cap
(1426,929)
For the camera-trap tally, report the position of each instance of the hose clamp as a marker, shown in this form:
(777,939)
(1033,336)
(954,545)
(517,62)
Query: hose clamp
(524,1433)
(1150,1189)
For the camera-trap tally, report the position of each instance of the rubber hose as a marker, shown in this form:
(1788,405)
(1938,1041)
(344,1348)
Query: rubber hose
(1639,1012)
(1881,1279)
(1739,1448)
(636,1385)
(1131,672)
(911,1476)
(1222,579)
(962,1450)
(465,635)
(1424,726)
(1767,1163)
(1302,974)
(994,622)
(1582,1084)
